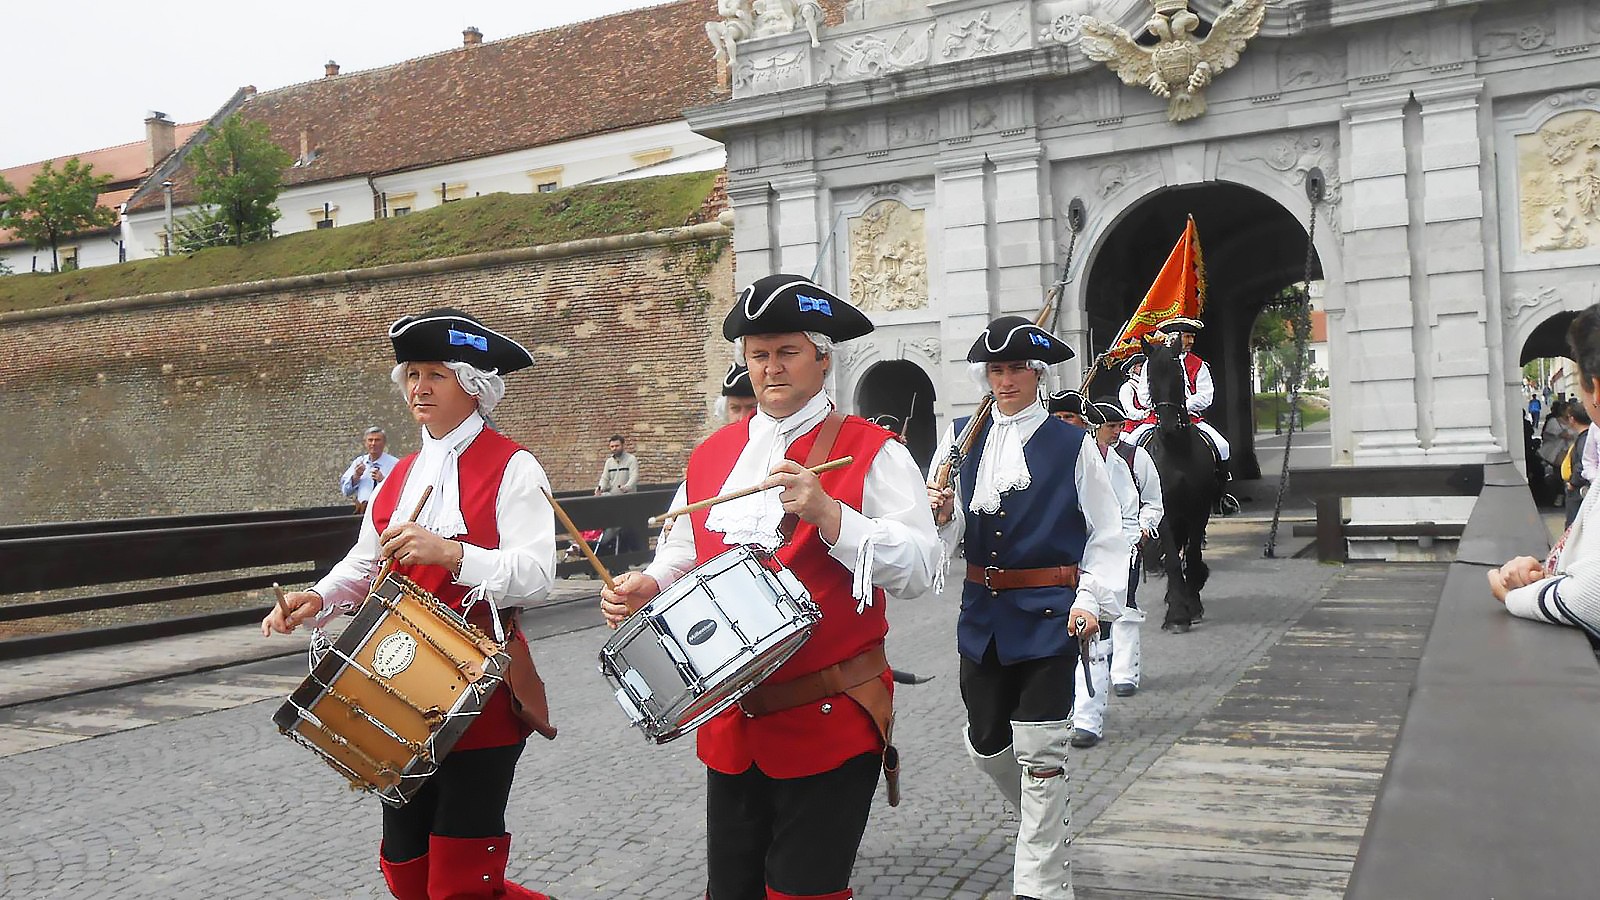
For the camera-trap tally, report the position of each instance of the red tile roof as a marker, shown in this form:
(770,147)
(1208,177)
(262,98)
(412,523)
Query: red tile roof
(127,164)
(632,69)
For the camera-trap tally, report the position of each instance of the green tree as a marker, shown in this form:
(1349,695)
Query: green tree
(238,172)
(57,205)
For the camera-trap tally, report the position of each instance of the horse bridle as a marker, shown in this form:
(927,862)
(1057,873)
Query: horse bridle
(1183,418)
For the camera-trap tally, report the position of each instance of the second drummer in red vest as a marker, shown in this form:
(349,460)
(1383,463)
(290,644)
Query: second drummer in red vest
(794,767)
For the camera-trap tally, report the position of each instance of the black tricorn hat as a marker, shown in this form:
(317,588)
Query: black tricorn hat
(1012,338)
(1134,360)
(1180,325)
(737,382)
(1074,402)
(1110,413)
(780,304)
(450,335)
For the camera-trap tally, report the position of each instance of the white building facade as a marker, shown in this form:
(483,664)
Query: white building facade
(923,155)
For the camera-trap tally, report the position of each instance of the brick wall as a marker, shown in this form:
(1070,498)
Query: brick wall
(255,397)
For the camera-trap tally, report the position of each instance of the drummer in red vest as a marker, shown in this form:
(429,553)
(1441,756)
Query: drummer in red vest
(1197,384)
(484,543)
(1033,509)
(793,768)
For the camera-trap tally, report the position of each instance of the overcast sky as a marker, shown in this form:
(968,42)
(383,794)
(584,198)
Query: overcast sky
(84,76)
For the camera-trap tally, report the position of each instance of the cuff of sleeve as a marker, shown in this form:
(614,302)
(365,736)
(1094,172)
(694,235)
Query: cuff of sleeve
(853,529)
(1087,603)
(477,564)
(662,574)
(1524,601)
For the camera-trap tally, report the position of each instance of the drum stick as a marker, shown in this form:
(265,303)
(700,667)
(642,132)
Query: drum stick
(828,466)
(383,572)
(283,605)
(583,545)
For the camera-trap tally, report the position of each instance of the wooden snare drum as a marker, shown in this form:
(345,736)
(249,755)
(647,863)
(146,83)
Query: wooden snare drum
(390,697)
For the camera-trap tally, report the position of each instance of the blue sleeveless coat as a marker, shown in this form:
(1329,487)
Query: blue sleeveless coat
(1033,528)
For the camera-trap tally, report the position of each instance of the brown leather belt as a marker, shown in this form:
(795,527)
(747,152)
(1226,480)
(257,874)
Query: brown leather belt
(1010,579)
(835,679)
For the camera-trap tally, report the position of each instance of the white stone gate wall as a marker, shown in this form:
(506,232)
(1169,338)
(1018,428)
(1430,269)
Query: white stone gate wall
(1413,112)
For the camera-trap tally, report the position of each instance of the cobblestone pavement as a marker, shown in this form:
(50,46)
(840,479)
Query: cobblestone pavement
(219,805)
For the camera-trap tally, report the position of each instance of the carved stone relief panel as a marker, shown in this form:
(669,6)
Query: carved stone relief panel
(994,30)
(843,139)
(889,257)
(872,55)
(1558,182)
(1513,35)
(1310,68)
(1098,100)
(1112,178)
(1293,155)
(917,126)
(780,71)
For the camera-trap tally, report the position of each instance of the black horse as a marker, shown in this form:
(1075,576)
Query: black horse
(1188,487)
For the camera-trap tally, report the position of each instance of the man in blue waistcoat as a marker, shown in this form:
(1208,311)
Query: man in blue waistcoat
(1044,549)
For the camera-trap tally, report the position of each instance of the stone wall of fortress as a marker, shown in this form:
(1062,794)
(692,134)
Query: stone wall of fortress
(255,396)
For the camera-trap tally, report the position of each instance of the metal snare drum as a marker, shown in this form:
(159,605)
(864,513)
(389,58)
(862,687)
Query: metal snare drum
(706,641)
(395,691)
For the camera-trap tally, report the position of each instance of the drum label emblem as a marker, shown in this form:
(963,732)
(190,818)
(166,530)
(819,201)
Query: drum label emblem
(394,654)
(702,632)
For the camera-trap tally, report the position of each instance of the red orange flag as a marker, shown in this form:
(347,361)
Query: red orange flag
(1179,290)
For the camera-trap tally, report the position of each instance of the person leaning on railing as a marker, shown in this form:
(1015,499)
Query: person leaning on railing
(1564,588)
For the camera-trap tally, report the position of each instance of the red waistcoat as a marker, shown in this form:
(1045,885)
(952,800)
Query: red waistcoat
(804,740)
(1191,371)
(1191,368)
(480,468)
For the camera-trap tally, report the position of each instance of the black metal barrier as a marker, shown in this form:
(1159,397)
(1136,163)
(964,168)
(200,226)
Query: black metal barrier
(300,543)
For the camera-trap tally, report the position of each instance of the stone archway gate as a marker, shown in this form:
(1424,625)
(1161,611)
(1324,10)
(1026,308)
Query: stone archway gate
(919,156)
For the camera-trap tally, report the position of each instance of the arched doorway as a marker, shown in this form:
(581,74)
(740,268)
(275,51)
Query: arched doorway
(1253,248)
(901,389)
(1550,378)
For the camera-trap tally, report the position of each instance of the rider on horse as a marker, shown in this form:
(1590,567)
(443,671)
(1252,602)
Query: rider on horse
(1128,395)
(1197,385)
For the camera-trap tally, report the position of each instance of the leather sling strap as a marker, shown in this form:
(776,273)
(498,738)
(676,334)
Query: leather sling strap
(817,456)
(860,679)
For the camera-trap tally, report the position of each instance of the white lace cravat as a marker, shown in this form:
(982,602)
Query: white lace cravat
(1003,467)
(754,519)
(436,465)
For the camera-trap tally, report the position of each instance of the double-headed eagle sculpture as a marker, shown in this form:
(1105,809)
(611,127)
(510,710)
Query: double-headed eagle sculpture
(1179,65)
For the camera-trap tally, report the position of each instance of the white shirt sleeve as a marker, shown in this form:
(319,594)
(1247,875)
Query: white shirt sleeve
(1576,586)
(1204,390)
(675,553)
(522,569)
(1141,389)
(347,481)
(1151,508)
(893,533)
(1105,556)
(1121,478)
(1127,394)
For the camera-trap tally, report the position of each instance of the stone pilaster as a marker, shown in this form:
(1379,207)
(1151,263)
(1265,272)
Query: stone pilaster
(1382,402)
(799,222)
(1453,254)
(754,244)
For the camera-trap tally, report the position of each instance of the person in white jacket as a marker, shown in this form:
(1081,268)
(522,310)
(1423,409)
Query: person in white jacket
(1126,654)
(1564,588)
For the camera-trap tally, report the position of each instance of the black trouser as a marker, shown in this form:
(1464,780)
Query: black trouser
(1035,690)
(1133,585)
(798,835)
(466,798)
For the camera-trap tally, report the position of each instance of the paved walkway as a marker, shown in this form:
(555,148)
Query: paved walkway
(188,791)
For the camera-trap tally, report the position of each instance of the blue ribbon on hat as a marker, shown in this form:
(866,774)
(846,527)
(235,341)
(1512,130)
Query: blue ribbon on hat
(468,339)
(1039,339)
(812,304)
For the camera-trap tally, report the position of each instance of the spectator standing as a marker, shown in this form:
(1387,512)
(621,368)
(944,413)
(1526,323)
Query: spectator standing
(362,477)
(619,474)
(1572,473)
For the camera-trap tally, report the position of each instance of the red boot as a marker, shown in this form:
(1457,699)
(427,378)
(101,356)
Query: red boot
(407,880)
(473,869)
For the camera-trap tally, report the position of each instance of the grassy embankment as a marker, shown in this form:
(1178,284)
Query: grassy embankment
(1313,409)
(493,222)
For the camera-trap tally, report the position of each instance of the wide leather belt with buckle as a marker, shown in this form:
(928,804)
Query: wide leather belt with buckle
(996,579)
